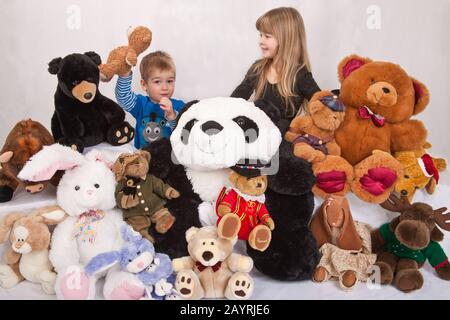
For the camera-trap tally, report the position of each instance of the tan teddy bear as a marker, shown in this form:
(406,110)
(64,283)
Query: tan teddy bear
(27,258)
(121,59)
(212,270)
(312,135)
(243,207)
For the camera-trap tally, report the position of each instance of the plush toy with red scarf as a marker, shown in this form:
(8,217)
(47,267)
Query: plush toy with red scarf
(243,205)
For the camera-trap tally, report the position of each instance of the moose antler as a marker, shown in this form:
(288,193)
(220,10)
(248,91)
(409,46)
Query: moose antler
(442,220)
(396,204)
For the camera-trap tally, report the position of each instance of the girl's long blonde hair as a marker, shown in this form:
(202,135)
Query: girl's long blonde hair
(286,25)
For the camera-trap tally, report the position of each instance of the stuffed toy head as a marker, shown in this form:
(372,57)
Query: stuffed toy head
(418,223)
(206,245)
(78,75)
(328,114)
(132,165)
(334,214)
(28,233)
(121,59)
(384,87)
(253,186)
(219,133)
(25,139)
(420,171)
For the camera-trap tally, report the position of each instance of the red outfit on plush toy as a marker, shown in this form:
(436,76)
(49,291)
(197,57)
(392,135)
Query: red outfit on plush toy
(250,212)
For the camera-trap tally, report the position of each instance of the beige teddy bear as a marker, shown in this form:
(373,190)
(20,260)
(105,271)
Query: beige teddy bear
(212,270)
(121,59)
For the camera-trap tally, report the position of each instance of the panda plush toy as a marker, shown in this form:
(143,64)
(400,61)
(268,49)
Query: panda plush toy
(216,134)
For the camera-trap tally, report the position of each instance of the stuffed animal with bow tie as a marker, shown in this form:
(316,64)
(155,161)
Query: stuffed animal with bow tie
(380,100)
(312,135)
(212,270)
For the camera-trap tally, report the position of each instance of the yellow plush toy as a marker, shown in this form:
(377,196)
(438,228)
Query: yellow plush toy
(420,171)
(121,59)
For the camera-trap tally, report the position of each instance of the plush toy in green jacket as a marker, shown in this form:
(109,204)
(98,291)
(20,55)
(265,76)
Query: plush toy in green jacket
(404,244)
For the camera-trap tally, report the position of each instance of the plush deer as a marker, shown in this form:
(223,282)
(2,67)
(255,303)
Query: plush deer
(404,244)
(27,258)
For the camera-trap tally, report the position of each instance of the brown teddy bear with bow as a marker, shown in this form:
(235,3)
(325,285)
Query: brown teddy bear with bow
(121,59)
(380,99)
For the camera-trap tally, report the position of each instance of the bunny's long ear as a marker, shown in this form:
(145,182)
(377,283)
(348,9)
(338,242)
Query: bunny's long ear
(7,223)
(128,234)
(44,164)
(102,262)
(107,157)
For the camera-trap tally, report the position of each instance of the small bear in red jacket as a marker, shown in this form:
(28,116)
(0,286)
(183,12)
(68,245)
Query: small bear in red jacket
(244,205)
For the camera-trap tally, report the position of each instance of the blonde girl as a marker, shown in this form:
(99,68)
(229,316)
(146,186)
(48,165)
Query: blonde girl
(283,74)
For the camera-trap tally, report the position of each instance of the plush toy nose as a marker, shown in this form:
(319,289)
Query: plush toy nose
(90,192)
(88,96)
(18,245)
(207,255)
(140,264)
(211,128)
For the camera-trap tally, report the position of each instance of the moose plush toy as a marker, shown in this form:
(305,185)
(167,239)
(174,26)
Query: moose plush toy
(404,244)
(121,59)
(380,99)
(25,139)
(243,207)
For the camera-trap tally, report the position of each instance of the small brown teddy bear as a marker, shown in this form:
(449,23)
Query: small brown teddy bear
(243,207)
(141,195)
(312,135)
(121,59)
(25,139)
(404,244)
(420,171)
(27,258)
(212,270)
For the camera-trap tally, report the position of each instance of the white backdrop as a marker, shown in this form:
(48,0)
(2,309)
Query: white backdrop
(214,42)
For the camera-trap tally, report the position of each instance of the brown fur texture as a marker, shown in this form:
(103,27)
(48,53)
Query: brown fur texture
(121,59)
(414,177)
(27,234)
(416,226)
(320,122)
(132,164)
(25,139)
(224,273)
(388,91)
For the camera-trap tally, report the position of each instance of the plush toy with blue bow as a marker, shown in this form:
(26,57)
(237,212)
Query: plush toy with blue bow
(138,256)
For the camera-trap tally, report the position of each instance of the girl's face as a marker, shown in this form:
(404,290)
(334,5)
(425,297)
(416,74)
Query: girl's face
(268,45)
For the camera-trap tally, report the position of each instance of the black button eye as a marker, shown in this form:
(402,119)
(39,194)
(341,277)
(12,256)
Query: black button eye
(406,176)
(138,253)
(129,260)
(77,188)
(204,243)
(97,185)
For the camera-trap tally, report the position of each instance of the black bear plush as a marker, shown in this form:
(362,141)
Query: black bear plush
(213,135)
(83,116)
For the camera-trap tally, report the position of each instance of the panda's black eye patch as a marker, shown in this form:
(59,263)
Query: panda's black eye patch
(187,130)
(250,128)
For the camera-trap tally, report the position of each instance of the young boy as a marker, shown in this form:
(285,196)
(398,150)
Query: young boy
(155,114)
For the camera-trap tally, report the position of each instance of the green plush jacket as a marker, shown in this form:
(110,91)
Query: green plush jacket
(433,252)
(151,193)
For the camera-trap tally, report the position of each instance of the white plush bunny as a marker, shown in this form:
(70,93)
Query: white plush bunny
(86,193)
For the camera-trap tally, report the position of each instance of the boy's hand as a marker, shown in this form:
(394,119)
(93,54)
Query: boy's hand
(166,106)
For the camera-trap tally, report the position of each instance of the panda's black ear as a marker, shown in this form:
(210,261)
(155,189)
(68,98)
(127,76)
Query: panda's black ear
(186,108)
(53,66)
(94,57)
(270,109)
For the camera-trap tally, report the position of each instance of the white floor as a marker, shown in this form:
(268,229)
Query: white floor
(265,288)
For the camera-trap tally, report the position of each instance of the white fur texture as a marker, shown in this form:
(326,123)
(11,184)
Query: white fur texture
(226,148)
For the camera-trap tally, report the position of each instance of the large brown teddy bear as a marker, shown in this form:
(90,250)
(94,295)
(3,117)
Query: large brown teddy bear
(380,98)
(212,270)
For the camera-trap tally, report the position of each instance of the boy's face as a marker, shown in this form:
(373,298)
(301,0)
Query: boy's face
(268,45)
(160,84)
